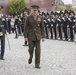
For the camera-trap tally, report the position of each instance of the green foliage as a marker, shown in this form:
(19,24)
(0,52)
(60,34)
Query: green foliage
(16,6)
(65,7)
(68,7)
(58,7)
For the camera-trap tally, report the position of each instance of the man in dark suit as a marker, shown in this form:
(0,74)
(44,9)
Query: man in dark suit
(4,29)
(34,31)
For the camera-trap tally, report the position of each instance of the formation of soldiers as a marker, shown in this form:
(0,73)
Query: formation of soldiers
(60,25)
(10,24)
(15,24)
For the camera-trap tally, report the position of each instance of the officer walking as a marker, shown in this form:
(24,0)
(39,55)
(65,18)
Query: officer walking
(4,29)
(34,31)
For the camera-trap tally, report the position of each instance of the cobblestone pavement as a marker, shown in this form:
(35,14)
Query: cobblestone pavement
(57,58)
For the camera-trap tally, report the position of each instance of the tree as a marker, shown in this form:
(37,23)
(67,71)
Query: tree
(17,6)
(58,7)
(68,7)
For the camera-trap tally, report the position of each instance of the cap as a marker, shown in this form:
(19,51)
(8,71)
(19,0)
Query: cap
(47,13)
(56,13)
(61,12)
(1,7)
(66,12)
(43,13)
(52,13)
(71,11)
(35,7)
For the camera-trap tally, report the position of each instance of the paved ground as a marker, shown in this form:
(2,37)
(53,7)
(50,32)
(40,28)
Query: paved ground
(58,58)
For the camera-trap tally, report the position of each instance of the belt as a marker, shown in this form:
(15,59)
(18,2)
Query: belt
(1,25)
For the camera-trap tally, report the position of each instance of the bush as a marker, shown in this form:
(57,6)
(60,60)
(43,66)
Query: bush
(58,7)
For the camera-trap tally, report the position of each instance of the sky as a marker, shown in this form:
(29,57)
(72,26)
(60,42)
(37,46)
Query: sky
(67,1)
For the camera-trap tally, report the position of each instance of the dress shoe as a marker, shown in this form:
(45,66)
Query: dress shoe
(30,61)
(47,37)
(2,58)
(66,40)
(71,40)
(16,38)
(25,45)
(60,39)
(51,38)
(37,67)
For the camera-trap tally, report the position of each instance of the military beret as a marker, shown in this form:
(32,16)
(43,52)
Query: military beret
(43,13)
(56,13)
(52,13)
(61,12)
(66,12)
(71,11)
(47,13)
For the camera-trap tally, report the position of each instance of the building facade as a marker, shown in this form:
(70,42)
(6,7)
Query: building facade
(74,3)
(45,5)
(4,3)
(60,2)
